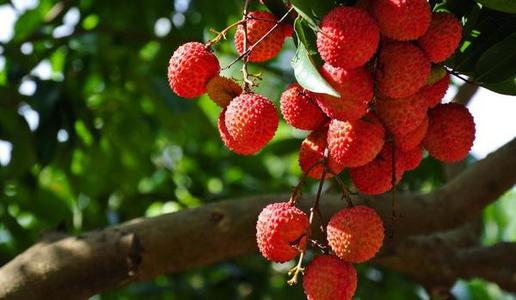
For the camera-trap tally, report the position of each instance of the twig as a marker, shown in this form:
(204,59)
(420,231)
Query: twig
(294,272)
(297,189)
(458,75)
(222,34)
(247,51)
(247,83)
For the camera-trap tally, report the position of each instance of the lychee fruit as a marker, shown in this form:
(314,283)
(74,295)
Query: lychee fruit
(300,109)
(451,132)
(227,138)
(402,20)
(288,29)
(251,122)
(222,90)
(190,69)
(435,92)
(348,37)
(355,143)
(281,231)
(402,69)
(258,24)
(355,87)
(355,234)
(411,159)
(401,116)
(329,278)
(312,152)
(442,37)
(376,177)
(414,138)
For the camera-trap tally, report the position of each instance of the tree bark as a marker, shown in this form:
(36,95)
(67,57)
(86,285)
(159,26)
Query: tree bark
(81,266)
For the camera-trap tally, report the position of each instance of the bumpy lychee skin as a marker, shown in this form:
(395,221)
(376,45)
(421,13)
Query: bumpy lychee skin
(222,90)
(411,159)
(355,234)
(442,38)
(402,69)
(258,24)
(300,110)
(403,115)
(355,87)
(355,143)
(329,278)
(402,20)
(348,37)
(280,231)
(414,138)
(435,92)
(190,69)
(228,139)
(375,177)
(451,132)
(251,121)
(312,151)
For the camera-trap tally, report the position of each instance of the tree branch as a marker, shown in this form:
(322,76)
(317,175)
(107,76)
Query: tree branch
(78,267)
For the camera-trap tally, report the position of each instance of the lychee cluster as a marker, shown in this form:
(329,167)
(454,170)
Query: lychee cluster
(354,235)
(248,121)
(383,58)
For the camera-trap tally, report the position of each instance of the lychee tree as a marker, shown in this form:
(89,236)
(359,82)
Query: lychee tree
(355,170)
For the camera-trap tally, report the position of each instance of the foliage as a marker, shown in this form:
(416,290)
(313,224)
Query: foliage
(110,142)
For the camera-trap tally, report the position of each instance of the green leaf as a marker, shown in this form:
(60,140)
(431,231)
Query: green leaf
(307,74)
(507,87)
(498,63)
(27,24)
(312,11)
(508,6)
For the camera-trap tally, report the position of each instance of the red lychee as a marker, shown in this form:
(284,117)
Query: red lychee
(348,37)
(414,138)
(355,143)
(442,38)
(435,92)
(355,87)
(299,108)
(355,234)
(222,90)
(251,122)
(312,151)
(451,132)
(376,177)
(402,69)
(329,278)
(190,69)
(258,24)
(281,231)
(401,116)
(411,159)
(402,20)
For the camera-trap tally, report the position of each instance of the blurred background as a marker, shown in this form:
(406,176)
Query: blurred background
(91,136)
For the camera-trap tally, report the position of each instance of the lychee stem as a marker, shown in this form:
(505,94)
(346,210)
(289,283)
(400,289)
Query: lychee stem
(314,210)
(222,34)
(247,83)
(346,194)
(296,192)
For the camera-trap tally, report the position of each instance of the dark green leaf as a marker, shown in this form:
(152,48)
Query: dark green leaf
(498,63)
(508,6)
(507,87)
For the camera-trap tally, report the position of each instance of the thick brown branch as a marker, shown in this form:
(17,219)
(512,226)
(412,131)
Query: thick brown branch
(77,267)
